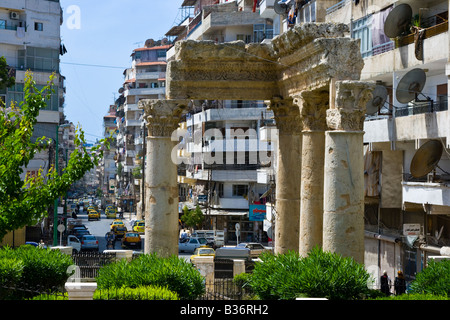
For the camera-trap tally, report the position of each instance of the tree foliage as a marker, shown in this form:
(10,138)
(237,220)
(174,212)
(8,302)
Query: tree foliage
(25,201)
(192,218)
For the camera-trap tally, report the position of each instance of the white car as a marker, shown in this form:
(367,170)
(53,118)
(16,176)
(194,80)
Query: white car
(191,244)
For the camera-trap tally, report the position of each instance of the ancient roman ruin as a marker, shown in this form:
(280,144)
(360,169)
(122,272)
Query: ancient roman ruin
(309,76)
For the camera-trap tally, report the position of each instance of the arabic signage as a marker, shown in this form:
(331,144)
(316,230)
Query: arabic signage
(411,229)
(257,212)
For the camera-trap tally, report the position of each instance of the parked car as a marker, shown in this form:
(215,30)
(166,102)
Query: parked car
(202,252)
(89,242)
(132,240)
(81,232)
(191,244)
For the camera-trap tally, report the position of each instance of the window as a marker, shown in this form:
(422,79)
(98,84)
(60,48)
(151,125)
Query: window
(38,26)
(2,24)
(247,38)
(362,30)
(308,12)
(240,190)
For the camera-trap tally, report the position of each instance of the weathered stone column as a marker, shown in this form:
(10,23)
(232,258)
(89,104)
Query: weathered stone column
(161,206)
(312,106)
(343,220)
(288,182)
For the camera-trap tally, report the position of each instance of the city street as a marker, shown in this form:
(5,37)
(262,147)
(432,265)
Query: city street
(101,227)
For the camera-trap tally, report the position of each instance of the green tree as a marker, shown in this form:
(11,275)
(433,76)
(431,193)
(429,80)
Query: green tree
(192,218)
(26,201)
(5,80)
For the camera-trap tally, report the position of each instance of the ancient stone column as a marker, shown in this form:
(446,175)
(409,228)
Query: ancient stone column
(161,202)
(287,205)
(343,219)
(312,107)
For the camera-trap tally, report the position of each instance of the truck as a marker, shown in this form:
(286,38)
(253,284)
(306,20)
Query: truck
(245,251)
(74,242)
(216,238)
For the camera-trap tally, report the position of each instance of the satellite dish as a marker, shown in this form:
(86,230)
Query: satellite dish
(282,6)
(379,98)
(398,20)
(426,158)
(149,43)
(410,85)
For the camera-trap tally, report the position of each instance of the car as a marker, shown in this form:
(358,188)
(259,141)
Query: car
(132,240)
(203,251)
(116,223)
(191,244)
(110,212)
(139,226)
(80,232)
(93,215)
(120,231)
(89,242)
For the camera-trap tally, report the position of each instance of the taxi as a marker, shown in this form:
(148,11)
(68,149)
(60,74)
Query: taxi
(132,240)
(92,214)
(120,231)
(139,226)
(117,223)
(110,212)
(203,251)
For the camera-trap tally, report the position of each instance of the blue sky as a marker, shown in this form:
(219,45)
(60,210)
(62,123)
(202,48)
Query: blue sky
(99,51)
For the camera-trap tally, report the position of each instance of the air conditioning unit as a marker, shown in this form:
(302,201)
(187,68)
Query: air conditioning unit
(14,15)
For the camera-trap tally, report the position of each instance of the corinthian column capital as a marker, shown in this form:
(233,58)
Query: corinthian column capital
(349,109)
(312,107)
(286,114)
(163,116)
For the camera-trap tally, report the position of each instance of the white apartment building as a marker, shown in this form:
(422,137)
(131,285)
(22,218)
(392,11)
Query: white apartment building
(145,79)
(225,189)
(406,212)
(30,40)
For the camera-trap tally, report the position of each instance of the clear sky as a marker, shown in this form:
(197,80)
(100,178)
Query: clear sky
(99,37)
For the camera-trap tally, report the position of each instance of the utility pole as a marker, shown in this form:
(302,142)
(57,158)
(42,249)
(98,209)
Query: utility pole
(55,206)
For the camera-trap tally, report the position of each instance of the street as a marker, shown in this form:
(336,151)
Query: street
(101,227)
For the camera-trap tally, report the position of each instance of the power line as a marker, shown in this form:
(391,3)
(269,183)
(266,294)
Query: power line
(93,65)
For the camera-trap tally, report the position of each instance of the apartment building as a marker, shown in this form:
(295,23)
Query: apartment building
(30,40)
(145,79)
(405,47)
(228,131)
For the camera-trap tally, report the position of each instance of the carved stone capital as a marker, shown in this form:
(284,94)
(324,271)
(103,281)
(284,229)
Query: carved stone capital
(312,107)
(349,109)
(287,115)
(163,116)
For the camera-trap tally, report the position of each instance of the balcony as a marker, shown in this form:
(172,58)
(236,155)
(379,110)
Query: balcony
(131,107)
(150,75)
(232,203)
(266,8)
(427,195)
(145,91)
(133,123)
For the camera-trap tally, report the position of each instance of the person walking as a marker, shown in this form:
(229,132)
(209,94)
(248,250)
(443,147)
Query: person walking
(399,283)
(385,283)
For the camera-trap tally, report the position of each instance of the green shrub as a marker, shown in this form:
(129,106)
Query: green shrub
(42,268)
(434,279)
(139,293)
(148,269)
(10,271)
(320,274)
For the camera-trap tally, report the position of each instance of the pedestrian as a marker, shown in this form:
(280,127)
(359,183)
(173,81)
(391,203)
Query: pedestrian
(41,244)
(385,283)
(399,283)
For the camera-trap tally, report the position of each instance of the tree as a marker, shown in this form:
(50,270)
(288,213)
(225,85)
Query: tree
(192,218)
(6,80)
(25,202)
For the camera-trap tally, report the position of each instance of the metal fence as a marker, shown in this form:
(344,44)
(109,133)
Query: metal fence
(225,289)
(89,263)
